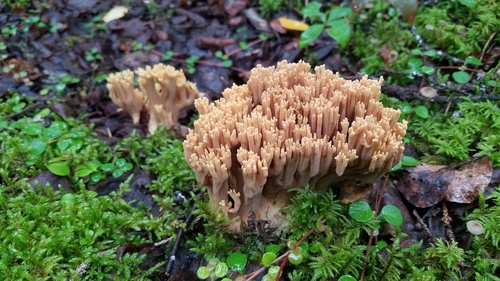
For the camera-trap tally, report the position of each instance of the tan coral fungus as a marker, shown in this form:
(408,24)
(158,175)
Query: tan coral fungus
(288,128)
(122,93)
(169,94)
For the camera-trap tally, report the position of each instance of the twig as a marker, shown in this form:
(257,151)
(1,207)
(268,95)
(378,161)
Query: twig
(171,259)
(440,53)
(446,220)
(424,225)
(370,240)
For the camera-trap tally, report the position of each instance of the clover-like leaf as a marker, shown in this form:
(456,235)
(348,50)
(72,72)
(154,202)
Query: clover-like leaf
(392,215)
(310,34)
(360,211)
(340,31)
(237,261)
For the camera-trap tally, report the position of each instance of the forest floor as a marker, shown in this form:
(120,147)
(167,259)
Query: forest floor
(59,53)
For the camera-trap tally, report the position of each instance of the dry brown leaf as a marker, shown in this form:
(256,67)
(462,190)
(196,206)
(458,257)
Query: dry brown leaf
(384,52)
(425,185)
(276,26)
(469,180)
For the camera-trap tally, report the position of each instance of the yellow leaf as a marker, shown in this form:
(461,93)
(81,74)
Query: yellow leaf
(293,25)
(115,13)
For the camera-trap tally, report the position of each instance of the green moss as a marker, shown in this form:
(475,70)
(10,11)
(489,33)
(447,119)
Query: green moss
(472,128)
(47,237)
(457,29)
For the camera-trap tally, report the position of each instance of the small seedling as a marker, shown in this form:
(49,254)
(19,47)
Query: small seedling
(190,63)
(93,55)
(226,61)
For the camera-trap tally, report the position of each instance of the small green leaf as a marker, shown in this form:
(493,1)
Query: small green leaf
(312,9)
(117,173)
(268,277)
(360,211)
(347,278)
(296,257)
(409,161)
(304,246)
(406,108)
(96,177)
(416,52)
(37,147)
(273,271)
(62,145)
(392,215)
(310,34)
(427,69)
(422,111)
(338,13)
(76,144)
(218,54)
(340,31)
(473,60)
(315,247)
(268,258)
(128,167)
(227,63)
(431,53)
(237,261)
(60,169)
(274,248)
(381,244)
(397,167)
(108,167)
(468,3)
(120,162)
(203,272)
(68,199)
(33,129)
(221,269)
(52,133)
(461,77)
(415,63)
(82,171)
(100,78)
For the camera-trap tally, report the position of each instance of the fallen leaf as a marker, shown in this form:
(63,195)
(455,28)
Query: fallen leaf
(469,180)
(293,25)
(233,7)
(276,26)
(384,52)
(407,8)
(256,20)
(117,12)
(425,185)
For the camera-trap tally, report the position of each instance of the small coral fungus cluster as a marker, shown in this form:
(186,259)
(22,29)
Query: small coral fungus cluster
(286,128)
(164,91)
